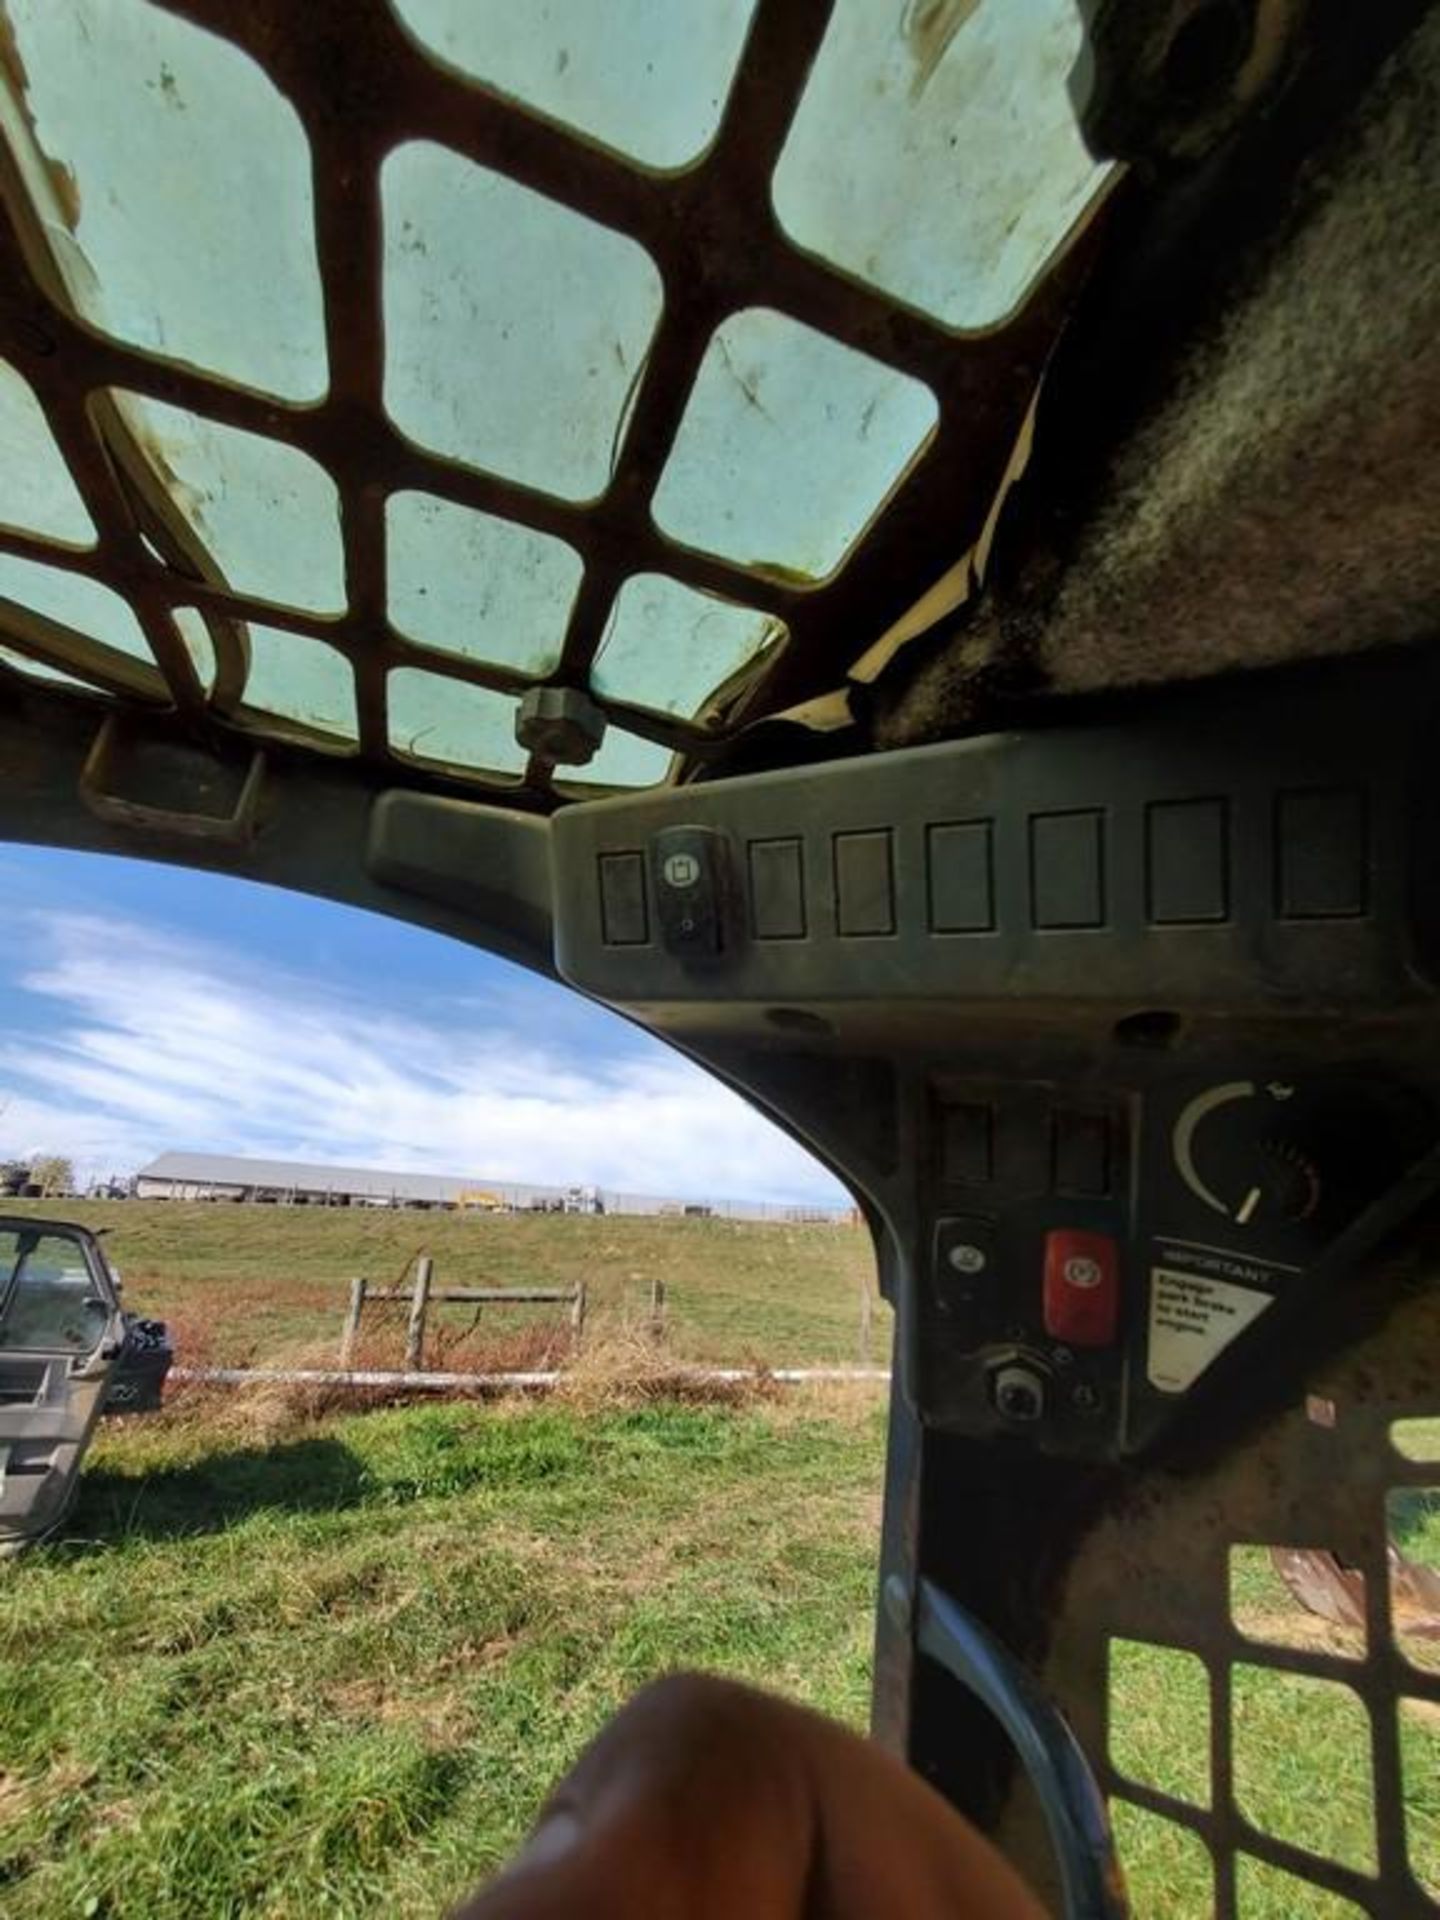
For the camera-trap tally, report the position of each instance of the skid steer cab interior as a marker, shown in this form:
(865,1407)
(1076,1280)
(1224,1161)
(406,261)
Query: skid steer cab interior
(69,1352)
(895,546)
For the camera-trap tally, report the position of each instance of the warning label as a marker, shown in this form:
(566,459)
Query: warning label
(1215,1263)
(1192,1321)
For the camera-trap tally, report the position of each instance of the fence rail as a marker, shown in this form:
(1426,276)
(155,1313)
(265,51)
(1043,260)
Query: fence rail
(422,1293)
(540,1380)
(484,1296)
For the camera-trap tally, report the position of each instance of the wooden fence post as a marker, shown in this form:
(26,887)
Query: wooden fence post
(419,1305)
(657,1310)
(577,1315)
(350,1332)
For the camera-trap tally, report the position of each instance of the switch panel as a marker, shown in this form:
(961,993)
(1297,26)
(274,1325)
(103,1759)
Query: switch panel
(1098,1249)
(1024,1321)
(1204,859)
(1099,1023)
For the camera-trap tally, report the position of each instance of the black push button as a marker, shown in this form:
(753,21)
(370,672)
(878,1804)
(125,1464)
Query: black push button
(690,869)
(966,1276)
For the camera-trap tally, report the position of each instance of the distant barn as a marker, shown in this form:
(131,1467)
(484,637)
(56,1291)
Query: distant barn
(227,1176)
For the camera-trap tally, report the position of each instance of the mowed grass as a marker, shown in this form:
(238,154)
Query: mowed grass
(333,1668)
(261,1285)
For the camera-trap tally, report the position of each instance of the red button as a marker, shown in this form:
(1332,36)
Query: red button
(1082,1288)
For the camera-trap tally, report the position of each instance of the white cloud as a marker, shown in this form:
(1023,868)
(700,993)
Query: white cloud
(151,1039)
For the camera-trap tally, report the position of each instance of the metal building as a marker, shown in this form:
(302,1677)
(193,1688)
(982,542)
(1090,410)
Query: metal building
(224,1176)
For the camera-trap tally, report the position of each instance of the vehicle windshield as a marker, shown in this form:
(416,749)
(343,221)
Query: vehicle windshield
(49,1300)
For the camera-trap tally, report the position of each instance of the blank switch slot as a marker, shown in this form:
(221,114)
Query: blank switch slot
(960,865)
(1321,855)
(864,883)
(624,913)
(1067,869)
(1187,881)
(777,889)
(967,1132)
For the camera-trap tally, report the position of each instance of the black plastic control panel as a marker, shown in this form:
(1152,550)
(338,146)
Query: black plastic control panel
(1253,846)
(1026,1309)
(1071,1011)
(1091,1261)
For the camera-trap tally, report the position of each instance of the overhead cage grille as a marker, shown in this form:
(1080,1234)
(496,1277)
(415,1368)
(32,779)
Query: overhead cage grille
(365,366)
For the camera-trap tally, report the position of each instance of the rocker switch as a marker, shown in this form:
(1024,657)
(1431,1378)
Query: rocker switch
(1082,1288)
(691,872)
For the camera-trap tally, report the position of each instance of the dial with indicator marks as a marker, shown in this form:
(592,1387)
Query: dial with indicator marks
(1290,1188)
(1272,1155)
(1235,1149)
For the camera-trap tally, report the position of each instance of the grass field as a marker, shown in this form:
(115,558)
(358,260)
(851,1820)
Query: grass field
(260,1285)
(332,1669)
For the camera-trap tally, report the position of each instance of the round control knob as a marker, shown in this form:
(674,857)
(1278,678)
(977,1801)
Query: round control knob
(1019,1393)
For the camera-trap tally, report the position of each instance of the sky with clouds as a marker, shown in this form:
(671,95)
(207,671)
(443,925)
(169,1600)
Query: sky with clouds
(148,1008)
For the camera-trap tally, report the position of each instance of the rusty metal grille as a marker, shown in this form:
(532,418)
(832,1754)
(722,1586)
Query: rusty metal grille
(362,87)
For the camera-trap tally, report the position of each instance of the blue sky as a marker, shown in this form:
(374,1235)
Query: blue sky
(147,1008)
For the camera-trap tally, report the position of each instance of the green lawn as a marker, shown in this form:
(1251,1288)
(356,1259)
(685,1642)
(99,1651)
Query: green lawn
(335,1674)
